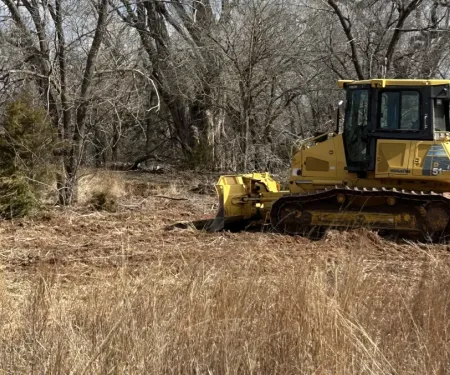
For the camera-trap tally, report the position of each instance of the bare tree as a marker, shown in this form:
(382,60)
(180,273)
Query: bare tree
(174,34)
(386,38)
(45,62)
(222,84)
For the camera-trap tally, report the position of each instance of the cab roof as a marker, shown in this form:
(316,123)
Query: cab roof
(381,83)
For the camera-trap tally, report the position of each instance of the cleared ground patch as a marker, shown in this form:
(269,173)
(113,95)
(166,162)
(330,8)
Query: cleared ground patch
(88,291)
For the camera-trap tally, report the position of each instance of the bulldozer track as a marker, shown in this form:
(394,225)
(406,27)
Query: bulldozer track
(426,212)
(372,192)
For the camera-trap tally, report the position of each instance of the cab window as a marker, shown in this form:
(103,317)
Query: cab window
(441,115)
(400,110)
(356,123)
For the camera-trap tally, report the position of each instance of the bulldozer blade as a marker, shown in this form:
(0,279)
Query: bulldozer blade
(218,223)
(221,222)
(244,201)
(232,224)
(197,224)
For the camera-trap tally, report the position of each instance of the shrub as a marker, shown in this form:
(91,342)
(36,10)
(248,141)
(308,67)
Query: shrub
(16,197)
(26,156)
(26,141)
(103,201)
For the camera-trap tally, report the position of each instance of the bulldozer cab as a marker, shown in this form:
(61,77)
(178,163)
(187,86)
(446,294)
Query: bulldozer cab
(414,110)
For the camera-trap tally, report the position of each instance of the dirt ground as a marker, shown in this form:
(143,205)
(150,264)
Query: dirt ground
(79,241)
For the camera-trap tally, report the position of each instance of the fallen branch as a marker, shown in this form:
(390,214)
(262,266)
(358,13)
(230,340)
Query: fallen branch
(147,156)
(133,206)
(171,198)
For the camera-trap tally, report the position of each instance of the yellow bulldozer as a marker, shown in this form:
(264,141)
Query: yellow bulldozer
(386,167)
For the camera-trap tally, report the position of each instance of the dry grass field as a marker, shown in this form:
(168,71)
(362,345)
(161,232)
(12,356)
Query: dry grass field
(96,292)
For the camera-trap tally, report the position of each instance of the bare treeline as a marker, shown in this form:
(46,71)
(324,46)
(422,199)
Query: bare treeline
(219,84)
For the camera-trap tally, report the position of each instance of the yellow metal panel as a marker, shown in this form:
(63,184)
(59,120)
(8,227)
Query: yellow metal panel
(319,160)
(420,150)
(446,146)
(380,83)
(343,82)
(332,151)
(341,162)
(392,158)
(316,165)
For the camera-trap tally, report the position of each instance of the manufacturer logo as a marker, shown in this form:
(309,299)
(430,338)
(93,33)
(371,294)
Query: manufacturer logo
(400,170)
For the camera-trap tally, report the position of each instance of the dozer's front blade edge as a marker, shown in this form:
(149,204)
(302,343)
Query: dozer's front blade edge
(222,222)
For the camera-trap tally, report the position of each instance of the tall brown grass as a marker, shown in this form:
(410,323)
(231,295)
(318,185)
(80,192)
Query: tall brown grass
(112,293)
(243,311)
